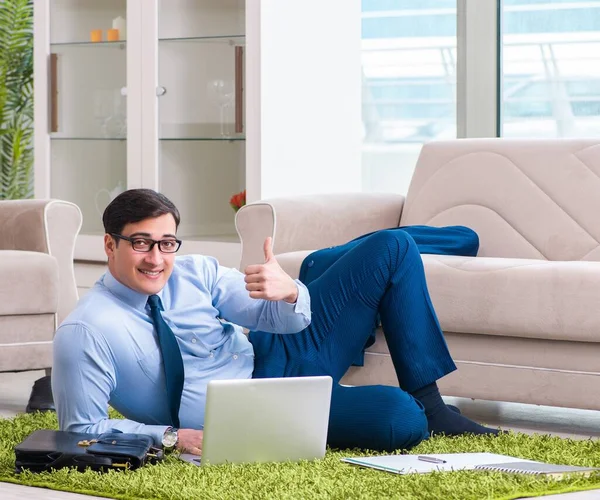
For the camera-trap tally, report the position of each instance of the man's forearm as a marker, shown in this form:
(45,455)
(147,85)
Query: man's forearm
(123,425)
(293,316)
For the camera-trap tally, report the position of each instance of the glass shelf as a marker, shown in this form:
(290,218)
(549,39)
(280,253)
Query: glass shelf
(238,39)
(63,138)
(197,131)
(227,139)
(120,44)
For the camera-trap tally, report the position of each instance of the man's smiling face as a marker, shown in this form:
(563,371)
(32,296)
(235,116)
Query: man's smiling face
(144,272)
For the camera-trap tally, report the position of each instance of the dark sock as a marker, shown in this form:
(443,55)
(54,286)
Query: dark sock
(453,408)
(441,419)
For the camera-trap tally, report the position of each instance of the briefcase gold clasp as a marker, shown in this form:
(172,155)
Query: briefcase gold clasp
(85,443)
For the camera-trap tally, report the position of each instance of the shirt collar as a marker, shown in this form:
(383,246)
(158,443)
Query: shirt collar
(135,299)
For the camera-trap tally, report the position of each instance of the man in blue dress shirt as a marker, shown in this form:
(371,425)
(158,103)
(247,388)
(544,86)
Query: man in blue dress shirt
(107,350)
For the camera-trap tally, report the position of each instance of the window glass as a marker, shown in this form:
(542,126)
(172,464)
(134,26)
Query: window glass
(409,85)
(550,68)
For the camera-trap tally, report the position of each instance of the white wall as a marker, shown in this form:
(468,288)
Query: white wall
(303,81)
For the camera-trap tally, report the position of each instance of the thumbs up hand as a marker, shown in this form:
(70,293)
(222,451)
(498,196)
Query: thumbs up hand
(268,248)
(269,281)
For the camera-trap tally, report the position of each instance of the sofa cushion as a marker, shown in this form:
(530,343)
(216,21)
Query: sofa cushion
(29,283)
(533,199)
(516,297)
(290,262)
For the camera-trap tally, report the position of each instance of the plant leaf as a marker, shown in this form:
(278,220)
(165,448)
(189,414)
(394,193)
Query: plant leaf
(16,99)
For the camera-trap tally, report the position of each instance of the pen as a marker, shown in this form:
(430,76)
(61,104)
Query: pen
(433,460)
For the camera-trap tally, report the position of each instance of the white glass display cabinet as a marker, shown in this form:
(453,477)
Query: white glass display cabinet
(198,99)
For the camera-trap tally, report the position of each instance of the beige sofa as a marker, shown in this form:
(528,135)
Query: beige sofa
(37,290)
(522,319)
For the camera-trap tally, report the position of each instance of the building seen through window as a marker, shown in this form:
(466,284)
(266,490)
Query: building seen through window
(550,68)
(550,77)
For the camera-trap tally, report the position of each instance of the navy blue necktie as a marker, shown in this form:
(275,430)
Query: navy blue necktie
(171,355)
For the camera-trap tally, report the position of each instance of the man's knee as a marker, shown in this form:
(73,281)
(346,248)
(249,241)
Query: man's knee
(378,417)
(407,423)
(402,425)
(389,237)
(393,245)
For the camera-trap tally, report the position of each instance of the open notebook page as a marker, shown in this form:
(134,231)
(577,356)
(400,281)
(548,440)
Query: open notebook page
(408,464)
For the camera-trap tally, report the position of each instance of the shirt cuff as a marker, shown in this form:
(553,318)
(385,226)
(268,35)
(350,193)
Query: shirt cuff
(157,432)
(302,304)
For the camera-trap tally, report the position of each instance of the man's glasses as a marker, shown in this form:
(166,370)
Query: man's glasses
(169,245)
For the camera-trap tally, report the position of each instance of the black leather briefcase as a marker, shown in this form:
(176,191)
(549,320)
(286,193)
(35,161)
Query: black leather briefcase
(45,450)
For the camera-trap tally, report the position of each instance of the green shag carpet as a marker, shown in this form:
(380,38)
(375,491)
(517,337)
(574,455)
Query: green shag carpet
(327,478)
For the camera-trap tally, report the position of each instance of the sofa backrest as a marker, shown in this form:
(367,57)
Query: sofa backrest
(527,198)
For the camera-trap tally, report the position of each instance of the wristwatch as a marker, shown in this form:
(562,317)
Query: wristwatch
(170,438)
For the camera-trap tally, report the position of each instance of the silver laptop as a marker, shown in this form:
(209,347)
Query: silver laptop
(265,420)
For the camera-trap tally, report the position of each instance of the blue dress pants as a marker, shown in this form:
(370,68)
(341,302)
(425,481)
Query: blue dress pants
(379,276)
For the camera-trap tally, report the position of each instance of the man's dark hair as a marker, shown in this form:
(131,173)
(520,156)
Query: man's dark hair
(135,205)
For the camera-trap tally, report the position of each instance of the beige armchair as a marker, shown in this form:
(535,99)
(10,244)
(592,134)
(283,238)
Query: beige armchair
(37,290)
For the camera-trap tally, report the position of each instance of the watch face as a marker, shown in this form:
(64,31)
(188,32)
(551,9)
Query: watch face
(169,439)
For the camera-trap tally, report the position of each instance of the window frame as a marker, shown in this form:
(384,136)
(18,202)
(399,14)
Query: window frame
(478,79)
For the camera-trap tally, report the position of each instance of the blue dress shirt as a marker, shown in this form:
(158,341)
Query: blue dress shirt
(107,351)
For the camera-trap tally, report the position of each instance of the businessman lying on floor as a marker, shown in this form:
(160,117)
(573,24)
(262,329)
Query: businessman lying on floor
(155,329)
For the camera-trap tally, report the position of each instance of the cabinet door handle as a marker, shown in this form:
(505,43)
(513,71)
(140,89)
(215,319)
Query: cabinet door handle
(239,89)
(161,91)
(53,92)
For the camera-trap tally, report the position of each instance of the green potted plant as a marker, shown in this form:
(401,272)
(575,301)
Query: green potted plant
(16,99)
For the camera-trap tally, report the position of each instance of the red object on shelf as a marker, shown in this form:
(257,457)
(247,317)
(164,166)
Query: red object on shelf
(238,200)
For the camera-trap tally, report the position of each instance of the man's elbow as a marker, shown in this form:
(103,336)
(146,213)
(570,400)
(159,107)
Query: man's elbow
(300,325)
(76,427)
(306,323)
(71,423)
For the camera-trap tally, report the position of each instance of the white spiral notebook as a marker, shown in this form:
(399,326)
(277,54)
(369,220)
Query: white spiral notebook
(438,462)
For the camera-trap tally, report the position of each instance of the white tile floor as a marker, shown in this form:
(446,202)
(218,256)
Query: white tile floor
(576,424)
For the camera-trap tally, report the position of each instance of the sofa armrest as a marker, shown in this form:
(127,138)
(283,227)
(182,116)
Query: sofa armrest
(48,226)
(313,221)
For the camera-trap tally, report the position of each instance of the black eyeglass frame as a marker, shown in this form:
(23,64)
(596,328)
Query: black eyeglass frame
(154,242)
